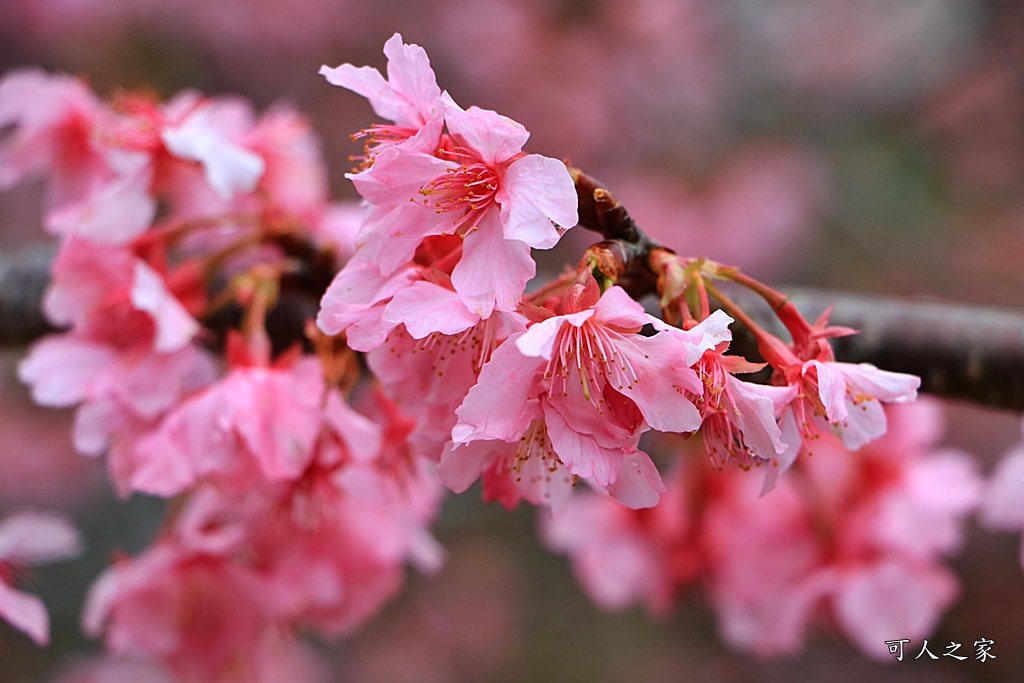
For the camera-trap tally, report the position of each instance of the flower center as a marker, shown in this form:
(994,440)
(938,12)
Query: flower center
(591,352)
(467,191)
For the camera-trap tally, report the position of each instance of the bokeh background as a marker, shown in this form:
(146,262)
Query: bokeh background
(869,146)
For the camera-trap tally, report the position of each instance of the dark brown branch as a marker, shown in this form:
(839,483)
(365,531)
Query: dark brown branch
(24,272)
(963,352)
(960,351)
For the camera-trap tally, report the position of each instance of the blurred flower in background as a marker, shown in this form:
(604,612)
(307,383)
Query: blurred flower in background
(874,145)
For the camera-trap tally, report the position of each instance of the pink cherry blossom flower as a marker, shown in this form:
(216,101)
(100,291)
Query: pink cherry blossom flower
(891,513)
(129,356)
(29,538)
(409,98)
(198,613)
(600,384)
(739,418)
(851,395)
(485,189)
(205,134)
(255,422)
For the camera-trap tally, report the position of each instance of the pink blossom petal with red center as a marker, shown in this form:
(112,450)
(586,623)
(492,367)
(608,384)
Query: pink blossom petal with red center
(493,271)
(659,363)
(425,308)
(538,201)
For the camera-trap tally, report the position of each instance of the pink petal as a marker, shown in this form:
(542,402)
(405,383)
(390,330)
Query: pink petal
(425,308)
(281,421)
(175,326)
(661,378)
(495,407)
(61,369)
(461,465)
(619,310)
(390,235)
(410,96)
(397,175)
(229,168)
(538,201)
(539,340)
(115,212)
(638,484)
(38,537)
(708,334)
(493,271)
(831,388)
(409,73)
(1002,504)
(362,437)
(880,385)
(495,138)
(757,406)
(26,613)
(581,453)
(904,600)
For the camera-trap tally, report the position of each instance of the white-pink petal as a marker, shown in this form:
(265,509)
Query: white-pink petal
(229,168)
(538,201)
(618,309)
(638,483)
(38,537)
(539,339)
(493,137)
(493,271)
(495,408)
(175,326)
(26,613)
(426,308)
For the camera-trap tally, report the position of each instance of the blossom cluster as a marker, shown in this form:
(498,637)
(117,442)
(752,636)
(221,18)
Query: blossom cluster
(196,238)
(181,225)
(850,541)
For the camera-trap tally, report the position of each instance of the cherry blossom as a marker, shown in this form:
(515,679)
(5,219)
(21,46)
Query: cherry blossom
(598,388)
(409,98)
